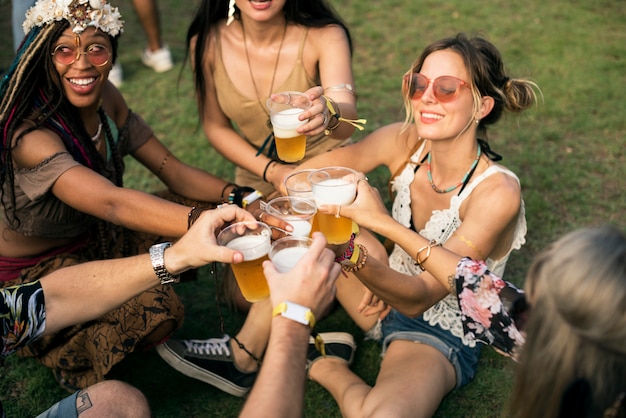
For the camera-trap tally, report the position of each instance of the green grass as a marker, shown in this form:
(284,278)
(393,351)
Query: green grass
(568,153)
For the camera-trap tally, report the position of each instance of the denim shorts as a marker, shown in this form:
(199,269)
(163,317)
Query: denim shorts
(65,408)
(464,359)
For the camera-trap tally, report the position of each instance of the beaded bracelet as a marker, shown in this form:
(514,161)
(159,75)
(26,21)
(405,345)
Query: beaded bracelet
(193,215)
(362,259)
(418,259)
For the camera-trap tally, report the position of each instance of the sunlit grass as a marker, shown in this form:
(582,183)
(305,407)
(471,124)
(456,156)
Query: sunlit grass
(568,153)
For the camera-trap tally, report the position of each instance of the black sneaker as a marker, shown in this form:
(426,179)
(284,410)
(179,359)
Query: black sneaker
(336,344)
(210,361)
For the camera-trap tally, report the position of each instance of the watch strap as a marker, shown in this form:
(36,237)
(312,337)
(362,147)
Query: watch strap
(157,258)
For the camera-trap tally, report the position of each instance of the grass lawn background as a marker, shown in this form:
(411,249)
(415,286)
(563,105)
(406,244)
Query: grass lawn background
(568,153)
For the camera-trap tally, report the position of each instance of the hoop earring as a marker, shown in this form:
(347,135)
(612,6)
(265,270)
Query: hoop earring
(231,12)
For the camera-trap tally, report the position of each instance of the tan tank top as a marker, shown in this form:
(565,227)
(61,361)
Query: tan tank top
(252,120)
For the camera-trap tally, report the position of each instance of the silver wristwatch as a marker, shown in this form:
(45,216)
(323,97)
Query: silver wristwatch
(158,264)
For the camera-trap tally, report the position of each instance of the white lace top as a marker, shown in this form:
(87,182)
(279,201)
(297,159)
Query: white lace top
(440,227)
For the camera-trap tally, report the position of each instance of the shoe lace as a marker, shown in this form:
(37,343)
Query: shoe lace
(212,346)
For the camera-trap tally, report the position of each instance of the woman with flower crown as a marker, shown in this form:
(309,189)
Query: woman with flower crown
(65,130)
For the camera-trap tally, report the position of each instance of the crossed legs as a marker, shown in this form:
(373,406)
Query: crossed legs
(412,381)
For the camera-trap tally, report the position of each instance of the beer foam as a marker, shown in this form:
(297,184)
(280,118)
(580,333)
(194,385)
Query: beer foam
(334,192)
(287,120)
(301,228)
(251,246)
(286,259)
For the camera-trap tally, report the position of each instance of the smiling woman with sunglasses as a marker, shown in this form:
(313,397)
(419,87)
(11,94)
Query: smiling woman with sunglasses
(449,192)
(65,130)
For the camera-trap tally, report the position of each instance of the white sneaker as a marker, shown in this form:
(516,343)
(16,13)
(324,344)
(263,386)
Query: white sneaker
(159,60)
(116,75)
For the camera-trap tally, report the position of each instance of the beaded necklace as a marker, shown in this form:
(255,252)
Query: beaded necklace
(463,180)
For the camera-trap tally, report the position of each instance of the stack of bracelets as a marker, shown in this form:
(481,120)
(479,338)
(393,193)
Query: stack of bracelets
(354,258)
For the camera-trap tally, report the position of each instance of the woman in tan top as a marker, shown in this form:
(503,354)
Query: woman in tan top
(260,49)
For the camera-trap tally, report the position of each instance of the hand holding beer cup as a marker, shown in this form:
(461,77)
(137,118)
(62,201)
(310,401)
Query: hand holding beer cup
(253,240)
(334,186)
(286,252)
(285,109)
(297,211)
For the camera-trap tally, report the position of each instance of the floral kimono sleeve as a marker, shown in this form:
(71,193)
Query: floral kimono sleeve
(488,307)
(22,316)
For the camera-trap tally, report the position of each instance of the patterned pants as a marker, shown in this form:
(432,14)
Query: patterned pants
(85,353)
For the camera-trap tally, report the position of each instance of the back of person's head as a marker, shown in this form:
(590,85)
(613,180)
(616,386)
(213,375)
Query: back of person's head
(488,77)
(574,358)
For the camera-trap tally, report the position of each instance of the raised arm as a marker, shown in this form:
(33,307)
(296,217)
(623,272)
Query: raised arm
(413,295)
(86,291)
(310,284)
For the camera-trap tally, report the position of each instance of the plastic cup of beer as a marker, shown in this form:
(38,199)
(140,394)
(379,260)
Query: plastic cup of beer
(286,252)
(285,109)
(334,186)
(253,240)
(297,185)
(298,211)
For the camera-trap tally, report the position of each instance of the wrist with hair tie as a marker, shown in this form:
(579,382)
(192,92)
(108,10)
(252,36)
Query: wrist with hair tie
(269,164)
(335,113)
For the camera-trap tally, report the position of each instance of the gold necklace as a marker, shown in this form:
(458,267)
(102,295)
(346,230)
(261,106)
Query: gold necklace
(256,90)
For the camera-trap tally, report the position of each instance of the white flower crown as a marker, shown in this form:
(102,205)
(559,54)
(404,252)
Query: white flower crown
(80,13)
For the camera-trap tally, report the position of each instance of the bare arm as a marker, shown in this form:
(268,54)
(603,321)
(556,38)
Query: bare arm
(86,291)
(413,295)
(328,51)
(382,147)
(311,284)
(178,176)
